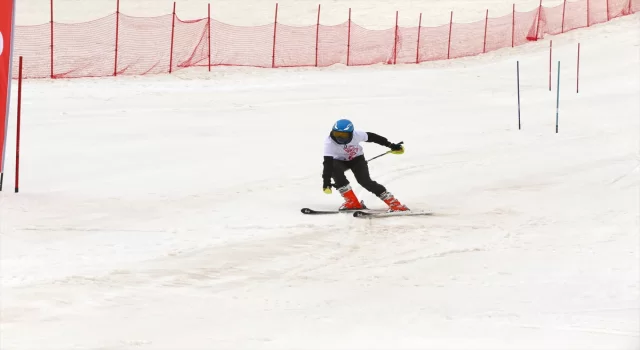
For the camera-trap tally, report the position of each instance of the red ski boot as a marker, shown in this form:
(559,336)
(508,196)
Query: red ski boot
(393,203)
(350,200)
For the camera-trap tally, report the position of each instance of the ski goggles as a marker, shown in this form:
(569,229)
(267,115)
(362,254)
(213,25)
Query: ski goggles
(341,135)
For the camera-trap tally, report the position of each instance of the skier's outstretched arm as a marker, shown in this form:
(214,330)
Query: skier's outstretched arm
(382,141)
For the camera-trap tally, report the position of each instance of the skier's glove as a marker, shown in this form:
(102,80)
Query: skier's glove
(396,148)
(326,187)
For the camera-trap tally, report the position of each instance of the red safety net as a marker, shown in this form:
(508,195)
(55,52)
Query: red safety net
(123,45)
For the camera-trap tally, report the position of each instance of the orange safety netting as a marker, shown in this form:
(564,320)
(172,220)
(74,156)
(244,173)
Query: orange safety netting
(123,45)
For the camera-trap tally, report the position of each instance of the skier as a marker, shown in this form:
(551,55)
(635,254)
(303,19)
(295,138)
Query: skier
(342,151)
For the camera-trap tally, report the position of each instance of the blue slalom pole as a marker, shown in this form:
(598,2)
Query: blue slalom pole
(518,79)
(558,97)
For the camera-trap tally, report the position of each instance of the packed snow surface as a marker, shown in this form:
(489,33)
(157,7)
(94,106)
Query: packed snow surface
(163,212)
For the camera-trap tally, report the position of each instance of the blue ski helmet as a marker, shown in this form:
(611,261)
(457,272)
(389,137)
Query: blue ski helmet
(342,131)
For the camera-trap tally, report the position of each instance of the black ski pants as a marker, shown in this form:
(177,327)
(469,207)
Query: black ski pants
(360,169)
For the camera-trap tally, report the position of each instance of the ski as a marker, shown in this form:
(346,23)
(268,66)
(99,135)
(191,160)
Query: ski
(365,214)
(310,211)
(325,212)
(318,212)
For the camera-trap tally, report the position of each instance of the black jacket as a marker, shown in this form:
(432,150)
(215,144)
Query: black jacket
(328,160)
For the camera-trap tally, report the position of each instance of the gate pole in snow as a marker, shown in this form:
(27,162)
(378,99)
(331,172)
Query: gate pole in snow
(558,98)
(550,63)
(578,71)
(18,125)
(518,80)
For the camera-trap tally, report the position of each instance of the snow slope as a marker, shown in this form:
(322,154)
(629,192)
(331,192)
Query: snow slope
(163,212)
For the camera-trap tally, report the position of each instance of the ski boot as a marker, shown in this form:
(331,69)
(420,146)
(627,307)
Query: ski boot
(350,200)
(392,202)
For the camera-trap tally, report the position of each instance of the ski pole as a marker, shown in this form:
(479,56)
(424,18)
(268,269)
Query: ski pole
(380,155)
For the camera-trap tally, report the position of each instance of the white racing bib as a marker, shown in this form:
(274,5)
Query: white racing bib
(345,152)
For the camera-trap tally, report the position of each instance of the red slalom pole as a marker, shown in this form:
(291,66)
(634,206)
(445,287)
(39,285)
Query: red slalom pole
(18,125)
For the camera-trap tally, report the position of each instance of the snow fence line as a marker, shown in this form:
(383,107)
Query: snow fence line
(123,45)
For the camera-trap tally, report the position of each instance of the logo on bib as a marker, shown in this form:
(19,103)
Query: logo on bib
(351,151)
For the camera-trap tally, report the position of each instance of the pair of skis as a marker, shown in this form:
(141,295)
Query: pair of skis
(366,213)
